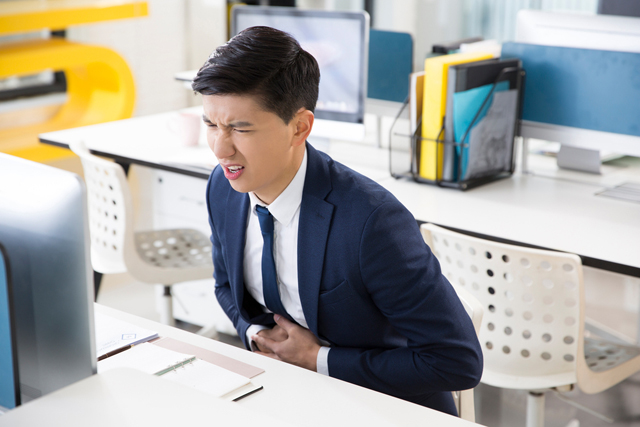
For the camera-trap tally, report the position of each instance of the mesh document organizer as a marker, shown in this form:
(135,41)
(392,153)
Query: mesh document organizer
(471,166)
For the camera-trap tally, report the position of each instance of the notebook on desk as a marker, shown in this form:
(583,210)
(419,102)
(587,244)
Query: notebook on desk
(182,368)
(229,363)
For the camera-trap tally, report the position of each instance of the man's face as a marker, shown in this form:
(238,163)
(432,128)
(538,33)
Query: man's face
(255,147)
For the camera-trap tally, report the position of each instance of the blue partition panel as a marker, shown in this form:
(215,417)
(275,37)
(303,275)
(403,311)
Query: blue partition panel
(390,63)
(582,88)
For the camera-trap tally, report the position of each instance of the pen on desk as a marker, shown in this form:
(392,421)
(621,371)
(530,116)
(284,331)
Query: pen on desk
(247,394)
(114,352)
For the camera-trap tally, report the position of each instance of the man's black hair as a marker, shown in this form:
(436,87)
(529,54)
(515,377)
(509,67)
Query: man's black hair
(266,63)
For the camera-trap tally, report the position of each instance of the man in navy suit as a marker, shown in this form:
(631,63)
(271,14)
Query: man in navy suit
(317,265)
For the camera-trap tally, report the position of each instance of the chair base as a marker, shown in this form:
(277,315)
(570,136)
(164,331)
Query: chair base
(166,308)
(535,409)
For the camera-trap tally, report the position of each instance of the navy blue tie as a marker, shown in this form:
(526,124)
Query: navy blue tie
(269,278)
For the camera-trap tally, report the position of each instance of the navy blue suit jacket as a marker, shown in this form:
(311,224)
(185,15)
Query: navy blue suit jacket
(369,285)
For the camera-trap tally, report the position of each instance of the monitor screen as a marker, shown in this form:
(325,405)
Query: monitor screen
(44,231)
(619,7)
(338,41)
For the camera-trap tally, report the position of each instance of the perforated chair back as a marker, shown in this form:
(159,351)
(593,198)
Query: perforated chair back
(533,303)
(154,256)
(162,257)
(110,216)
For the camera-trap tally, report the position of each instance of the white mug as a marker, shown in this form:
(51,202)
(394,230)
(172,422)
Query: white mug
(186,126)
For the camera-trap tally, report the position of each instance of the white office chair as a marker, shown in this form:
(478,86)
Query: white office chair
(156,256)
(532,332)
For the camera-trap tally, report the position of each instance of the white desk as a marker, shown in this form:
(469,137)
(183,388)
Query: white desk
(527,209)
(539,211)
(148,141)
(131,398)
(291,396)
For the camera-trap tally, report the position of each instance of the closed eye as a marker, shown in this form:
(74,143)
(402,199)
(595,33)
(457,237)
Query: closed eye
(208,122)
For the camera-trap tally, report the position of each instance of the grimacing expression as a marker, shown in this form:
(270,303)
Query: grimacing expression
(257,150)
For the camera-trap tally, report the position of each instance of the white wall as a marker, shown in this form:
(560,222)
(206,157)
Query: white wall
(176,36)
(435,21)
(351,5)
(428,21)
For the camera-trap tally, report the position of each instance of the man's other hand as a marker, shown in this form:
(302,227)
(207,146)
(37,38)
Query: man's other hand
(277,333)
(290,343)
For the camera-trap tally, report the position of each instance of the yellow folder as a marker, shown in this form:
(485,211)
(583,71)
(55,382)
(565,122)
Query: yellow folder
(435,99)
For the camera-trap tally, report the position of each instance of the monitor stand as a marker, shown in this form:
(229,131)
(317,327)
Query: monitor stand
(580,159)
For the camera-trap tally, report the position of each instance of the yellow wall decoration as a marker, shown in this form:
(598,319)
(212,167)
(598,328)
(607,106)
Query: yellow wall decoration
(100,85)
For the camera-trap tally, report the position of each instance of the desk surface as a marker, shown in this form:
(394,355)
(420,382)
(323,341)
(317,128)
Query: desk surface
(148,141)
(549,208)
(127,397)
(538,210)
(291,395)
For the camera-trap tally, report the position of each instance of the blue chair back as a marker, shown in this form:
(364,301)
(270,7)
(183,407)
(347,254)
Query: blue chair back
(390,63)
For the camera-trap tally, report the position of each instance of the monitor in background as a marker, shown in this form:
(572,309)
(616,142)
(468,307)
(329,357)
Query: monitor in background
(581,146)
(619,7)
(339,42)
(45,235)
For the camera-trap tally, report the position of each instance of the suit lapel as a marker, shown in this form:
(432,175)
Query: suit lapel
(313,232)
(236,229)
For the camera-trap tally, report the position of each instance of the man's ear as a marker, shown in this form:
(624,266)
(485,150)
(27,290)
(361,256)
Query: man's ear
(302,122)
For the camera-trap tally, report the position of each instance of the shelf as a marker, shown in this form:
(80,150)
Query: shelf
(21,16)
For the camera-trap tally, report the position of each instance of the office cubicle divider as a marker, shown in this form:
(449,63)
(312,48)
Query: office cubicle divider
(390,63)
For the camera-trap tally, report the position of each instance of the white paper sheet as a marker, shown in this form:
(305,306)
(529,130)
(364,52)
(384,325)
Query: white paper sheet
(113,334)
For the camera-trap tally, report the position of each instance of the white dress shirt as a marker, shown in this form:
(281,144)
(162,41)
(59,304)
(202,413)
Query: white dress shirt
(285,210)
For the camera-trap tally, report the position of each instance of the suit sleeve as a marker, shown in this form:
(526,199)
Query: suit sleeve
(404,281)
(222,286)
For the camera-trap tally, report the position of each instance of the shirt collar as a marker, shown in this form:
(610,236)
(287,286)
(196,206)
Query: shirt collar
(284,207)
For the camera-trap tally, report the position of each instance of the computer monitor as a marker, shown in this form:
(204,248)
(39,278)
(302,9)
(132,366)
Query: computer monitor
(9,376)
(339,41)
(48,342)
(619,7)
(581,146)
